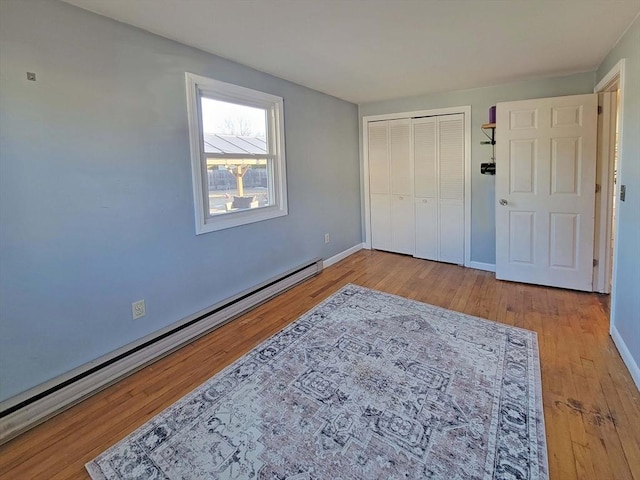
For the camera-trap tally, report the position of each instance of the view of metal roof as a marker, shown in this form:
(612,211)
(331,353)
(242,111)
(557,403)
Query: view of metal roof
(215,143)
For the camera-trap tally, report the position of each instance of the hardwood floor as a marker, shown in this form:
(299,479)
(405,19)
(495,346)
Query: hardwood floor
(591,405)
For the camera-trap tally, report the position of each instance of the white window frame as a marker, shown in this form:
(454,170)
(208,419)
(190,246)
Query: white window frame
(199,86)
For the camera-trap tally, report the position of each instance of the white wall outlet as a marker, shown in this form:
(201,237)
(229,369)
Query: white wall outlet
(138,309)
(327,238)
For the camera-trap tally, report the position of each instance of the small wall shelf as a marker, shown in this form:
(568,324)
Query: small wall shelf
(489,168)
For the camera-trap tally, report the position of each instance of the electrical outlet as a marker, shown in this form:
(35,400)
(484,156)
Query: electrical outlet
(138,309)
(327,238)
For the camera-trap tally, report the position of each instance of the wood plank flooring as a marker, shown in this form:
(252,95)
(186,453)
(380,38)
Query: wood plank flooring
(591,405)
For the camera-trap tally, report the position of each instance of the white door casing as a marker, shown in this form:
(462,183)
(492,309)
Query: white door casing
(607,104)
(545,191)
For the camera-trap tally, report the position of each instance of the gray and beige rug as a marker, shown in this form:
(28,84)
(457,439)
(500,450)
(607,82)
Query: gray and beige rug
(364,386)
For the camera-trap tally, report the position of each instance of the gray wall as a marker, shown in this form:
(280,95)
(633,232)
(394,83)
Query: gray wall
(96,206)
(483,241)
(627,280)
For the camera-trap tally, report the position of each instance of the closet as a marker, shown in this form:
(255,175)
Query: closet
(416,186)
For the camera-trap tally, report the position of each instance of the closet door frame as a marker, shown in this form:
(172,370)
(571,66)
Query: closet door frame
(364,167)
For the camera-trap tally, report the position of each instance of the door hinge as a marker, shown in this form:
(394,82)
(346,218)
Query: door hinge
(597,188)
(599,109)
(595,262)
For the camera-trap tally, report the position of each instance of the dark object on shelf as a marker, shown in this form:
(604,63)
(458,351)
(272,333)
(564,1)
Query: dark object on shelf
(488,168)
(492,114)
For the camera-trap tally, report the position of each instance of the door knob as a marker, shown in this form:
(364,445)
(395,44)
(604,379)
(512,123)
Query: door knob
(503,202)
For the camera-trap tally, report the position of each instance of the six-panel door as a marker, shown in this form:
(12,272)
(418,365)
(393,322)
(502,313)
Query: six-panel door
(545,191)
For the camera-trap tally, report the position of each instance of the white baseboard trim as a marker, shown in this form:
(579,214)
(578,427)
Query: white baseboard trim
(84,381)
(488,267)
(342,255)
(627,358)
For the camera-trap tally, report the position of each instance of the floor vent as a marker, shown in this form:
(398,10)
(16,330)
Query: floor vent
(36,405)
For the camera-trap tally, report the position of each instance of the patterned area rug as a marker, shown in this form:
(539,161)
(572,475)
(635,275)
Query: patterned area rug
(364,386)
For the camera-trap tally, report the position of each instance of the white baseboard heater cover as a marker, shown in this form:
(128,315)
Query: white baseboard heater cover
(22,412)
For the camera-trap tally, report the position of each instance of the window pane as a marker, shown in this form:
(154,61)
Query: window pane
(234,183)
(225,118)
(238,184)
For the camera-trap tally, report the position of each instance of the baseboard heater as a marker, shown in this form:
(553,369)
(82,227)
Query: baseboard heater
(22,412)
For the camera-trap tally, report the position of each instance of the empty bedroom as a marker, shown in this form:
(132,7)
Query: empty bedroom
(320,239)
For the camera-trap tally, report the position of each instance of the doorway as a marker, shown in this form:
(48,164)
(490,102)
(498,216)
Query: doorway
(607,159)
(610,91)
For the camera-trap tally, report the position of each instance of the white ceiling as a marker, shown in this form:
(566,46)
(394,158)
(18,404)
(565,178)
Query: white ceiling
(368,50)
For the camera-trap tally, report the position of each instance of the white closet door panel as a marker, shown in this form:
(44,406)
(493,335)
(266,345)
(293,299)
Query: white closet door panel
(425,157)
(451,230)
(400,156)
(426,228)
(379,157)
(451,149)
(402,224)
(381,222)
(416,186)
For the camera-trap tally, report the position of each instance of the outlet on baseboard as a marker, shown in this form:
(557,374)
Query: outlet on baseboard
(138,309)
(327,238)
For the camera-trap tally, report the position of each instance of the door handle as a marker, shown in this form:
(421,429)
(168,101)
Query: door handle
(503,202)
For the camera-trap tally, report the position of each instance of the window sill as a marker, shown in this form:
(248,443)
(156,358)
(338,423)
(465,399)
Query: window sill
(239,217)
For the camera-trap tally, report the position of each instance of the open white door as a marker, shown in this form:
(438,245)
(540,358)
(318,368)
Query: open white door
(545,190)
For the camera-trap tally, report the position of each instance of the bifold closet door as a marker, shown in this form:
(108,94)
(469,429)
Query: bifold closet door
(425,179)
(426,212)
(381,222)
(401,172)
(379,185)
(438,152)
(390,186)
(402,225)
(451,188)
